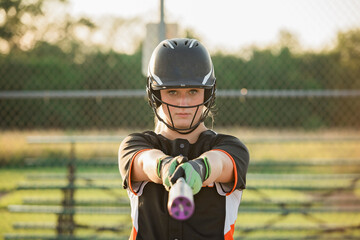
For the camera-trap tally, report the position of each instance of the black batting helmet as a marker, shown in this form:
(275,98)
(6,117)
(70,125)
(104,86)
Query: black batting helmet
(181,63)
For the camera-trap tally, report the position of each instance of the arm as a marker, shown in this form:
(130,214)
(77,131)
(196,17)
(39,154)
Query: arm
(222,168)
(145,165)
(133,151)
(238,154)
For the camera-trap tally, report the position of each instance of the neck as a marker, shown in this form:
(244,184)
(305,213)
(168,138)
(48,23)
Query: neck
(171,134)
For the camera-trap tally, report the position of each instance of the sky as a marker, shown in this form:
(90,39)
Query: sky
(233,24)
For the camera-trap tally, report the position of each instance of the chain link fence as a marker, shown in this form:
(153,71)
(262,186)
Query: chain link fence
(297,109)
(67,83)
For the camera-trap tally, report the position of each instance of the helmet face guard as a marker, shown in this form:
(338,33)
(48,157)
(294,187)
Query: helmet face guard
(155,102)
(181,63)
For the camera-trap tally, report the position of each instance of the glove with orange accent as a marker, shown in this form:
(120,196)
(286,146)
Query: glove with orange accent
(195,172)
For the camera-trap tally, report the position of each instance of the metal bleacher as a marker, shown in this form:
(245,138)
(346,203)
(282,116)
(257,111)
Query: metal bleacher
(327,193)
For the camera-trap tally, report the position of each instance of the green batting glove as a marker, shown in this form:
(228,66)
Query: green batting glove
(166,167)
(195,172)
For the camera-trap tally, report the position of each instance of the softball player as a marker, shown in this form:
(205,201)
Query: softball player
(181,91)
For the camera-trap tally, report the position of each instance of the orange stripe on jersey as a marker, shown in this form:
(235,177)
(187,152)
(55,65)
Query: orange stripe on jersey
(230,234)
(235,172)
(131,165)
(133,234)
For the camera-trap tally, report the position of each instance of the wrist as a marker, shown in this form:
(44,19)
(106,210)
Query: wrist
(160,163)
(204,169)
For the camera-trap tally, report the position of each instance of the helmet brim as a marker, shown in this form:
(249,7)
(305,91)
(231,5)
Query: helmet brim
(185,83)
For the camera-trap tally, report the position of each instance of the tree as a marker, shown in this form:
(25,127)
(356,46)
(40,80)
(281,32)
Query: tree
(15,13)
(348,47)
(19,20)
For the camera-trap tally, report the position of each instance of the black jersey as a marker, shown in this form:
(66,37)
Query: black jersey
(216,206)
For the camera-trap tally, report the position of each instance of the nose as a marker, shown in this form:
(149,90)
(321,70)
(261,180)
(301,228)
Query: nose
(183,100)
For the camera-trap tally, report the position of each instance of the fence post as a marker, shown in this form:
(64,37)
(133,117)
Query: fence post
(66,223)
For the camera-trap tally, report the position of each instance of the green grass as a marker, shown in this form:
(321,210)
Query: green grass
(271,152)
(10,178)
(15,147)
(254,219)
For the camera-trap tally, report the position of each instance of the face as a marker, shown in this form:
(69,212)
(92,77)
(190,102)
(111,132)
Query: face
(183,97)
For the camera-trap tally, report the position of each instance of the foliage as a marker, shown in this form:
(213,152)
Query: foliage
(68,63)
(14,10)
(48,67)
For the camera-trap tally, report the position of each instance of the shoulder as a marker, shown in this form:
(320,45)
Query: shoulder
(221,139)
(229,139)
(139,136)
(136,142)
(144,139)
(233,146)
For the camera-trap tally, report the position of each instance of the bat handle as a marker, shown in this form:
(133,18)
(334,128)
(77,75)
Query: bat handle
(181,200)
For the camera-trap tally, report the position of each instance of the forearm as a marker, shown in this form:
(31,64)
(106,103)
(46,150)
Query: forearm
(145,166)
(222,169)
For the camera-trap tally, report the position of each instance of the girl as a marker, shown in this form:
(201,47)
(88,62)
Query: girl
(181,91)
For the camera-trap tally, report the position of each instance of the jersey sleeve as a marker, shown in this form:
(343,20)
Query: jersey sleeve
(239,155)
(129,148)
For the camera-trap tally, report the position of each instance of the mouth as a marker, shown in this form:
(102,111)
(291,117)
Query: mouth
(183,115)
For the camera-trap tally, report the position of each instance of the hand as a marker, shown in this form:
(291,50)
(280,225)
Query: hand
(195,172)
(166,167)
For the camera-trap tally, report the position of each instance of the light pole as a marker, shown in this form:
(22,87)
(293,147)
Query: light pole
(162,26)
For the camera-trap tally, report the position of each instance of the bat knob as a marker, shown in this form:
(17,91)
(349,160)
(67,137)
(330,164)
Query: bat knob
(181,200)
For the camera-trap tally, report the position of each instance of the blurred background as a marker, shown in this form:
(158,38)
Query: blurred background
(72,85)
